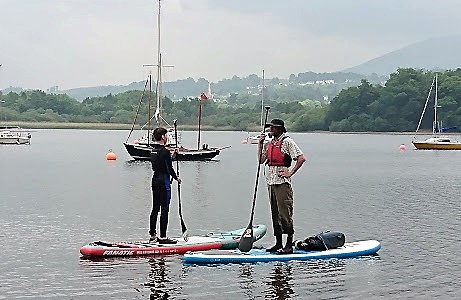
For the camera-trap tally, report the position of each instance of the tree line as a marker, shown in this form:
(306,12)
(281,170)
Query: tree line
(236,85)
(394,106)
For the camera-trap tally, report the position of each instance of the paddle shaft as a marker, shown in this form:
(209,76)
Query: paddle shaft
(247,239)
(259,169)
(183,225)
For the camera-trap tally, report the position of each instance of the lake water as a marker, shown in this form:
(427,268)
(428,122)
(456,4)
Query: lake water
(60,193)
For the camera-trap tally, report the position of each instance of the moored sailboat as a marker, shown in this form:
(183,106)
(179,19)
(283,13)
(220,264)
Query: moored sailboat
(14,135)
(141,150)
(437,141)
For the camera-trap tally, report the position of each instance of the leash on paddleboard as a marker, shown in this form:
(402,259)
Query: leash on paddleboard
(183,225)
(246,241)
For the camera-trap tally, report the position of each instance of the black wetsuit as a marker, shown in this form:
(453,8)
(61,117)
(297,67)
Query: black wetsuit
(162,168)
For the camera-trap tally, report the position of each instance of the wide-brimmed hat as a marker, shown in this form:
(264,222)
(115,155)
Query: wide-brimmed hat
(277,123)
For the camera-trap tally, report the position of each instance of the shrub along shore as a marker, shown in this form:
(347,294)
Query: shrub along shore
(102,126)
(114,126)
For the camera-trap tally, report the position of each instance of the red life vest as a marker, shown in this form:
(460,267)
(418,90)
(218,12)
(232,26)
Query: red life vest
(275,157)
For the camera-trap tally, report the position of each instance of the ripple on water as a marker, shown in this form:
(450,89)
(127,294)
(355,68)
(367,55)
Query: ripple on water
(358,184)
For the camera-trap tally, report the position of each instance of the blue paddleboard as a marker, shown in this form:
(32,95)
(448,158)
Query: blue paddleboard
(354,249)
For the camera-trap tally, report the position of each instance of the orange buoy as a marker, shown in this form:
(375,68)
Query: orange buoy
(135,142)
(402,147)
(244,142)
(111,156)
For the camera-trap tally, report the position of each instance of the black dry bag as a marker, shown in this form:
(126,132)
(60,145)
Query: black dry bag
(322,241)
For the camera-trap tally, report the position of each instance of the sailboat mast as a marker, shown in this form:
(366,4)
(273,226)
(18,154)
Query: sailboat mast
(435,125)
(199,121)
(149,110)
(262,102)
(159,90)
(159,68)
(158,33)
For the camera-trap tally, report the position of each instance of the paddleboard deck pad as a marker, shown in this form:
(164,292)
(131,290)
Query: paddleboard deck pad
(354,249)
(220,240)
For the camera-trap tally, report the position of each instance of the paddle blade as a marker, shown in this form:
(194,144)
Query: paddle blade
(183,224)
(246,241)
(185,236)
(184,230)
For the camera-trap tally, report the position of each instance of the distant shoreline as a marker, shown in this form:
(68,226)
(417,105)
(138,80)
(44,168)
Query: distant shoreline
(117,126)
(100,126)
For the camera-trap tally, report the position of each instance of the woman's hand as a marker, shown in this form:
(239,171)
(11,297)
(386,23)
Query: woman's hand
(262,137)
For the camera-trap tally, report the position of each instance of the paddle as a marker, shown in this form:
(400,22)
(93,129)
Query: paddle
(183,225)
(246,241)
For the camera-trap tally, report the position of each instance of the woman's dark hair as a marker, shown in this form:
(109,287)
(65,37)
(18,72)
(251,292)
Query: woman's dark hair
(159,132)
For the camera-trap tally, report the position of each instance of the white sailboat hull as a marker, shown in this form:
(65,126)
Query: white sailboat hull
(15,141)
(437,143)
(8,137)
(253,139)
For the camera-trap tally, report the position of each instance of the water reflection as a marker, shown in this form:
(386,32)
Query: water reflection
(319,276)
(247,282)
(286,280)
(280,282)
(133,162)
(323,276)
(197,172)
(159,280)
(199,180)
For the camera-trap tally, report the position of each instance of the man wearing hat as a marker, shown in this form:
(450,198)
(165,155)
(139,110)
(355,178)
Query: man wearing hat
(278,155)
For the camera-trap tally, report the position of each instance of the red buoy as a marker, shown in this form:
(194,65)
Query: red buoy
(111,156)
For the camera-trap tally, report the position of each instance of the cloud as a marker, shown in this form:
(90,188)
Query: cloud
(103,42)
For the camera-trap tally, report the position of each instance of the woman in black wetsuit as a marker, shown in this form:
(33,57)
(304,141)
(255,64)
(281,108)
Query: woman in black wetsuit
(162,168)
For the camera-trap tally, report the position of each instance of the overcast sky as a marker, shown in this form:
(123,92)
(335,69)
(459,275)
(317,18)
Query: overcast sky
(75,43)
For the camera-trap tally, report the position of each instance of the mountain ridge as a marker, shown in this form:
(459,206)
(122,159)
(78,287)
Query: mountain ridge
(437,53)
